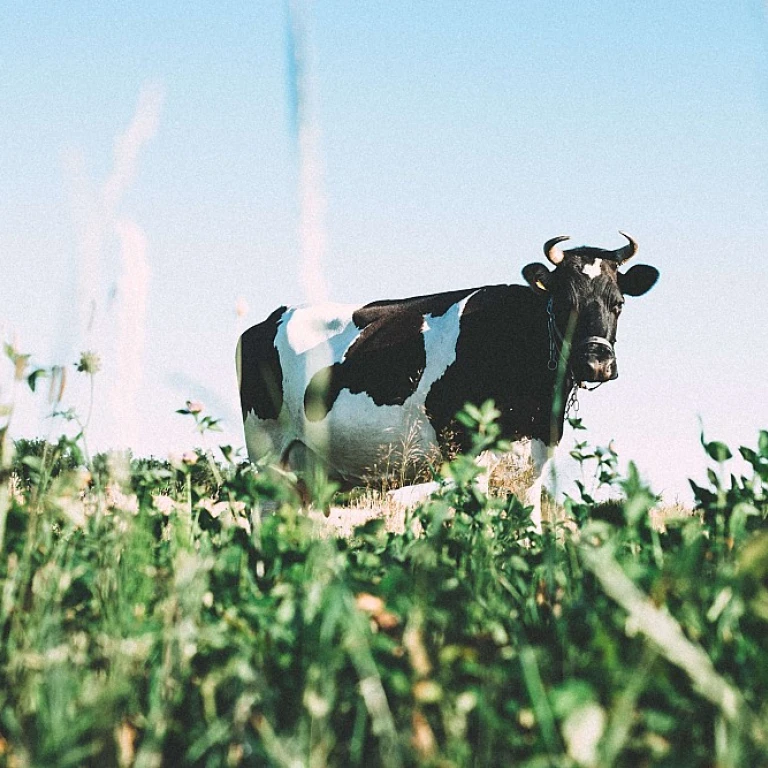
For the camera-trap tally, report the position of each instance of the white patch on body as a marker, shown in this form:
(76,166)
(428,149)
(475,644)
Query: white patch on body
(306,328)
(592,270)
(411,495)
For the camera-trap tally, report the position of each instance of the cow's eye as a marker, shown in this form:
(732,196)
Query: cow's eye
(617,307)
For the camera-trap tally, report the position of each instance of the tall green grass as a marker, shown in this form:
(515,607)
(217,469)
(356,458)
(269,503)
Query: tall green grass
(188,613)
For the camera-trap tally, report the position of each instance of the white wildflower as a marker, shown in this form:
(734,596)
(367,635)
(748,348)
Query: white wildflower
(214,508)
(244,523)
(163,504)
(117,499)
(582,731)
(74,510)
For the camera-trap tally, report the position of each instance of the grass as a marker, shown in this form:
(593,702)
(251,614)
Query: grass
(188,613)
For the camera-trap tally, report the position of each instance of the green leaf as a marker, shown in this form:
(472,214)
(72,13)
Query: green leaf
(34,376)
(571,695)
(718,451)
(33,462)
(749,455)
(519,564)
(738,523)
(703,496)
(762,443)
(211,424)
(753,558)
(474,412)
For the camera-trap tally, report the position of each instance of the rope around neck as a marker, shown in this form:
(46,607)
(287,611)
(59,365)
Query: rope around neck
(556,339)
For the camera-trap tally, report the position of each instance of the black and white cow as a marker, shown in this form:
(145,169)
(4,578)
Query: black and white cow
(352,386)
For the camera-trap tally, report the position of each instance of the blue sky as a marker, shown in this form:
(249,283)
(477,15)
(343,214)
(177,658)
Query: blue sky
(455,139)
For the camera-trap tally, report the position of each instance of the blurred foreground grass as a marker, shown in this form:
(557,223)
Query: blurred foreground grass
(186,613)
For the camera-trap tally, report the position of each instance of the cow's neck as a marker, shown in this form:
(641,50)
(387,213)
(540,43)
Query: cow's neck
(560,382)
(503,355)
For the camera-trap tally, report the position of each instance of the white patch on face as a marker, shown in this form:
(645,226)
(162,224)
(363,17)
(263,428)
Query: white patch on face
(592,270)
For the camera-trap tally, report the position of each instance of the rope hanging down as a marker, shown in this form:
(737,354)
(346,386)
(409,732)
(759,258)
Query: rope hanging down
(556,339)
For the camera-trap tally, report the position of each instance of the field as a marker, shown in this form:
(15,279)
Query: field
(188,613)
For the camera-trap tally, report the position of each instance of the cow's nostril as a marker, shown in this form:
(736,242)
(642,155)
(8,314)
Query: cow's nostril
(599,351)
(603,353)
(597,348)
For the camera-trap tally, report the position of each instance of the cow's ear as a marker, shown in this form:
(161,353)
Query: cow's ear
(537,276)
(638,280)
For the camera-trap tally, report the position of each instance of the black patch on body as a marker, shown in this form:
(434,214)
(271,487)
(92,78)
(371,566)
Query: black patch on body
(387,359)
(261,383)
(386,362)
(501,354)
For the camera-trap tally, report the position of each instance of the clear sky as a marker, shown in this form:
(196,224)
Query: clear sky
(455,139)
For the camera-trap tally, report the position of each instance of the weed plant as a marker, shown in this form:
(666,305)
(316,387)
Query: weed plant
(188,613)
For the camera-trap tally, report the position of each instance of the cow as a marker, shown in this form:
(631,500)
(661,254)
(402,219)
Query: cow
(362,390)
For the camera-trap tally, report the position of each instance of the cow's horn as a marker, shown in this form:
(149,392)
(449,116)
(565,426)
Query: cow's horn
(626,252)
(553,253)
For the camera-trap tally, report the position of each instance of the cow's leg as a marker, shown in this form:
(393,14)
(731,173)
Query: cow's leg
(525,454)
(539,455)
(487,461)
(307,466)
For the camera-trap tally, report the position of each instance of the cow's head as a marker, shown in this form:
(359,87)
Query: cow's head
(586,294)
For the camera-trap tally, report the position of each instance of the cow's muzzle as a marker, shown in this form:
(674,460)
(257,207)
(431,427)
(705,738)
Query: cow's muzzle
(594,359)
